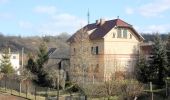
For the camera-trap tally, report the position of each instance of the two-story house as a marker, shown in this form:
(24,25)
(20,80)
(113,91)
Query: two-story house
(103,50)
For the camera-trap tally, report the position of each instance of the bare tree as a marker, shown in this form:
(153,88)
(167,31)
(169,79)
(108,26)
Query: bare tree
(131,89)
(82,54)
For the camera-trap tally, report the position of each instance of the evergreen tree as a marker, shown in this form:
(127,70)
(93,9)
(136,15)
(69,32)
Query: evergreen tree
(143,70)
(37,66)
(31,65)
(159,59)
(168,54)
(42,55)
(6,66)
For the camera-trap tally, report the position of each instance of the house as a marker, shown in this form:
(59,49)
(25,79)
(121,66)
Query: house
(59,62)
(14,59)
(146,49)
(104,50)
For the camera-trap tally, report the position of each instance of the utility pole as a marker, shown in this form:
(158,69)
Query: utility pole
(58,80)
(22,62)
(93,78)
(58,90)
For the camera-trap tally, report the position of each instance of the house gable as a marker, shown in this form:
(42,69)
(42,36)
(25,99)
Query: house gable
(121,34)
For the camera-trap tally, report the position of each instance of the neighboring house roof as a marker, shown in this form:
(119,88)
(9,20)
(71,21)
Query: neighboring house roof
(51,51)
(101,30)
(58,53)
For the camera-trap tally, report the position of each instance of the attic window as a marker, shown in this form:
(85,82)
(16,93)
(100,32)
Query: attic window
(130,36)
(114,35)
(125,33)
(119,33)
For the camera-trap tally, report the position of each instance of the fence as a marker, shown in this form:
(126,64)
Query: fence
(28,90)
(156,92)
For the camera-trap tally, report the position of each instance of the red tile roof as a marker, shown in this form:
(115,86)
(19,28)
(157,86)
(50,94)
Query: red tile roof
(101,30)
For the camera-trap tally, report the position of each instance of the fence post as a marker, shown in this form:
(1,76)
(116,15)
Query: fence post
(19,88)
(5,83)
(26,89)
(85,97)
(151,91)
(166,87)
(47,92)
(35,92)
(58,90)
(11,86)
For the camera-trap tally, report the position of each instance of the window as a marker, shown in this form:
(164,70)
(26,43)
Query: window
(119,33)
(125,33)
(97,50)
(114,35)
(74,51)
(130,36)
(92,50)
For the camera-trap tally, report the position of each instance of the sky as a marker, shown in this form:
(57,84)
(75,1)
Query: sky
(52,17)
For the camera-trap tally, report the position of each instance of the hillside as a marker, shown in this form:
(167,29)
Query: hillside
(31,44)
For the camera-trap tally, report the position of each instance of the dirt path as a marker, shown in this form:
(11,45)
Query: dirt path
(5,96)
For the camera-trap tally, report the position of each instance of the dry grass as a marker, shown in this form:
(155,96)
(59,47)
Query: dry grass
(16,93)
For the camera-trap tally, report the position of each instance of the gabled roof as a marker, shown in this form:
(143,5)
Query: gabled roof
(51,51)
(101,30)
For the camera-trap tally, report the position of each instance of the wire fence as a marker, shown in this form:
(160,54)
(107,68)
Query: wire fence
(28,90)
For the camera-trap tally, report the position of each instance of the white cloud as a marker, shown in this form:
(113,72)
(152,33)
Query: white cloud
(45,9)
(163,28)
(152,9)
(61,23)
(129,11)
(56,22)
(25,25)
(155,8)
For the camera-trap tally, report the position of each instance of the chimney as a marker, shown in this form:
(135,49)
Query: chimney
(97,22)
(102,21)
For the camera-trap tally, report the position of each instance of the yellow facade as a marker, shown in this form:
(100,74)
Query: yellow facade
(115,54)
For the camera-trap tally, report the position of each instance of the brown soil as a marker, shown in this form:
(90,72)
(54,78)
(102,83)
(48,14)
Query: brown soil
(5,96)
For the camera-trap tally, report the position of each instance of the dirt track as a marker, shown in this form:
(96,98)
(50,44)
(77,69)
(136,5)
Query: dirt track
(5,96)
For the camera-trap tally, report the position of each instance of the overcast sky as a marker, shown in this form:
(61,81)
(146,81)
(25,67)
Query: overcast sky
(51,17)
